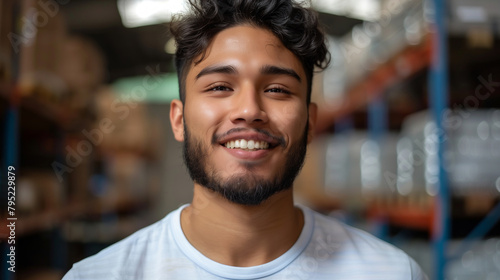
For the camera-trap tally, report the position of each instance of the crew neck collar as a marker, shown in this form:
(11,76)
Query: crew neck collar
(234,272)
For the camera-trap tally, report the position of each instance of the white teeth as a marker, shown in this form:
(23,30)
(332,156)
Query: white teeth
(247,144)
(243,143)
(250,145)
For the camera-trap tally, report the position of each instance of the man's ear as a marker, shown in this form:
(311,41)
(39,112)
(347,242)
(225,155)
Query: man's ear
(177,119)
(313,113)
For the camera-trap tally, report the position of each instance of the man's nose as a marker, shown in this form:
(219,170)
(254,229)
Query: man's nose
(247,107)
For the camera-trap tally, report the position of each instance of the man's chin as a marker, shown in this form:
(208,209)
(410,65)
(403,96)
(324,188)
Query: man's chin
(245,190)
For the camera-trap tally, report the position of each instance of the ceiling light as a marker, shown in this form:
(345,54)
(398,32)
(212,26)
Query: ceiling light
(135,13)
(368,10)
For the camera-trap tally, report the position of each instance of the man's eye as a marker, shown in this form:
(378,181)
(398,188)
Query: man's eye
(219,88)
(278,90)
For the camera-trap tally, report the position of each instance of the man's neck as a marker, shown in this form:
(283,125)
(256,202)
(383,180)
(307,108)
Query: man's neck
(239,235)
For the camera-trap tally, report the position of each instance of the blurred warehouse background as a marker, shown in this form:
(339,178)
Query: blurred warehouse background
(407,148)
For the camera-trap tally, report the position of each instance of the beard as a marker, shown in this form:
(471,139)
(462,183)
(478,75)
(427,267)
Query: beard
(244,188)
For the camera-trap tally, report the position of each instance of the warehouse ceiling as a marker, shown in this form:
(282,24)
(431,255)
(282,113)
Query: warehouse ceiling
(129,51)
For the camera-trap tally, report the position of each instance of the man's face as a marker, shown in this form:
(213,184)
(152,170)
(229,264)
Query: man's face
(245,120)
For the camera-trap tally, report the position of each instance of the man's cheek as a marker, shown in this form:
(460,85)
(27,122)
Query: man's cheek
(201,112)
(209,109)
(289,111)
(291,118)
(293,113)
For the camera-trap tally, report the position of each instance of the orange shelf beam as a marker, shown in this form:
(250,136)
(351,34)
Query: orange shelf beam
(414,59)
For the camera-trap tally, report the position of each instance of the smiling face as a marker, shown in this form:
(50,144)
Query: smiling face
(245,120)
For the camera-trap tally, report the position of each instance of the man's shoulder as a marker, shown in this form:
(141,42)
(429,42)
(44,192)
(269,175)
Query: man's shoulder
(138,241)
(334,231)
(126,256)
(345,249)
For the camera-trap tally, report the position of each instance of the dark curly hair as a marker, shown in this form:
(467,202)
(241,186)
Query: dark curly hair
(296,27)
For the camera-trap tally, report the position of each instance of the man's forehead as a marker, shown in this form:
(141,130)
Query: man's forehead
(246,35)
(244,42)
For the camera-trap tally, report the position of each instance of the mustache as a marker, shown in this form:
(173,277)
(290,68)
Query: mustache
(281,141)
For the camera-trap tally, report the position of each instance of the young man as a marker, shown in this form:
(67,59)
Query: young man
(245,69)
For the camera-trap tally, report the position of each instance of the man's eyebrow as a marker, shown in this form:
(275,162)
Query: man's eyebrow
(224,69)
(275,70)
(265,70)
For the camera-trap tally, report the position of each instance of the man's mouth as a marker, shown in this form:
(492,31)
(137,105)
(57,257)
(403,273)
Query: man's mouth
(249,145)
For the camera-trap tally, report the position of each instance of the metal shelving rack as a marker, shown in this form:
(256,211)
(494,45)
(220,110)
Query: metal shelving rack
(438,97)
(11,150)
(437,220)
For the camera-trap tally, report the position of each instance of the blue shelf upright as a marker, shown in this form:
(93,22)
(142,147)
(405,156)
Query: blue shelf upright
(377,128)
(438,98)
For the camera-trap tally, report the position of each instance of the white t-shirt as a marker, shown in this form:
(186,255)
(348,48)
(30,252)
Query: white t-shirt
(326,249)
